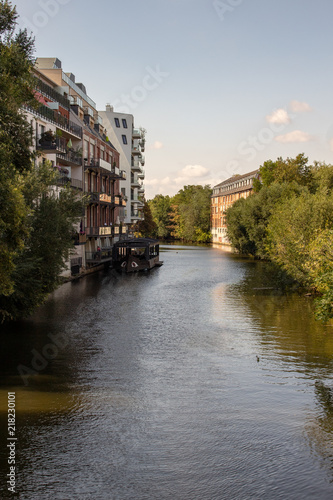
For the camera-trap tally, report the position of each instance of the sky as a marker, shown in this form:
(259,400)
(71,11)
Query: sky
(220,85)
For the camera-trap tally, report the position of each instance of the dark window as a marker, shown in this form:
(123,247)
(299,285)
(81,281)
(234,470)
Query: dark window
(116,120)
(124,139)
(124,123)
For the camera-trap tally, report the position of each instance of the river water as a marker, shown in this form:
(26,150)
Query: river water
(196,381)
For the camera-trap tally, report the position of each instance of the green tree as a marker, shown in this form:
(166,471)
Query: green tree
(15,140)
(160,207)
(191,208)
(284,171)
(146,227)
(36,220)
(247,219)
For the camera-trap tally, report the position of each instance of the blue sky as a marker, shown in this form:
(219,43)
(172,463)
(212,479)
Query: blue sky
(220,85)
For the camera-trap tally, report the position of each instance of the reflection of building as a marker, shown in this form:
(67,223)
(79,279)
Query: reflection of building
(130,142)
(224,195)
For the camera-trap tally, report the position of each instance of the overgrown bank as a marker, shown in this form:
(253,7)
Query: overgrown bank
(289,220)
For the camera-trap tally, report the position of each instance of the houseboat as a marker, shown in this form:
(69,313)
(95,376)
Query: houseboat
(136,254)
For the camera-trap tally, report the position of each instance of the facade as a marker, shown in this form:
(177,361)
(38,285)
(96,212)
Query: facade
(224,195)
(130,142)
(85,157)
(57,138)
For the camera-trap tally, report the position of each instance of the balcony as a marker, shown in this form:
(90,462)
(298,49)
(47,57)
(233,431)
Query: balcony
(123,174)
(136,150)
(142,159)
(80,239)
(49,143)
(142,145)
(99,257)
(63,180)
(94,232)
(135,166)
(141,175)
(51,93)
(99,198)
(135,182)
(136,133)
(70,158)
(99,165)
(56,118)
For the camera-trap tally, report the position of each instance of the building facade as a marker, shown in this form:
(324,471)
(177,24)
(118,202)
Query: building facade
(130,142)
(224,195)
(74,139)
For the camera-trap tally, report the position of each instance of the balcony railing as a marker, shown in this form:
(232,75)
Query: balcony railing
(56,118)
(136,134)
(45,142)
(74,183)
(70,157)
(98,163)
(52,93)
(99,231)
(103,255)
(135,165)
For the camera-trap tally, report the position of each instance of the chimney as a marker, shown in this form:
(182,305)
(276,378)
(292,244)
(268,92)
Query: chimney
(109,108)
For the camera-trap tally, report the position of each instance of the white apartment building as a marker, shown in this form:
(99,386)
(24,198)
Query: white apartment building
(130,142)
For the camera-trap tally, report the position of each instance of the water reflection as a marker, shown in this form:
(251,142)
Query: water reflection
(194,381)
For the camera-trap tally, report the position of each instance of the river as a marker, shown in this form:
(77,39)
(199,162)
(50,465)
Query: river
(196,381)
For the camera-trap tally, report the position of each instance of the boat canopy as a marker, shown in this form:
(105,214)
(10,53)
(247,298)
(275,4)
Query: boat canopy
(136,242)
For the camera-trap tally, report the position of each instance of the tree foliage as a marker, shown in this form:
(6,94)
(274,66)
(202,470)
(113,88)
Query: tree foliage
(289,220)
(185,216)
(146,227)
(36,220)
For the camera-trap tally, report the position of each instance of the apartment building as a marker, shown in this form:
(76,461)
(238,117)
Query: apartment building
(130,142)
(58,138)
(96,158)
(224,195)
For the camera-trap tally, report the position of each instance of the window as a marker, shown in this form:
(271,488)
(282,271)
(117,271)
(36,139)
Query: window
(124,139)
(116,120)
(124,123)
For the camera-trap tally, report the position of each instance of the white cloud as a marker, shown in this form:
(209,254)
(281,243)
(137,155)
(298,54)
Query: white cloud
(156,145)
(278,116)
(300,107)
(295,136)
(190,174)
(194,171)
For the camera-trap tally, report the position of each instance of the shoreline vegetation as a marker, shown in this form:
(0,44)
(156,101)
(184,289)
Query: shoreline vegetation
(288,220)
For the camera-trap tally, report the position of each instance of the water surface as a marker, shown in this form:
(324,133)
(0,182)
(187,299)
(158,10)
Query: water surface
(196,381)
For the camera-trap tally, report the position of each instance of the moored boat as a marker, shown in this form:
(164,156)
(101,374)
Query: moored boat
(136,254)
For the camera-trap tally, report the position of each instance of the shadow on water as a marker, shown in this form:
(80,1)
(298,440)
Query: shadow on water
(201,379)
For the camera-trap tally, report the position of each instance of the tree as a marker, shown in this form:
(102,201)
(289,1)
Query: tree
(191,213)
(36,219)
(146,227)
(247,219)
(284,171)
(160,207)
(15,139)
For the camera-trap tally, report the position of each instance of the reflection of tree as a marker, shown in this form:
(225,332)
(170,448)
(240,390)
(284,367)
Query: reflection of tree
(283,321)
(284,327)
(320,428)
